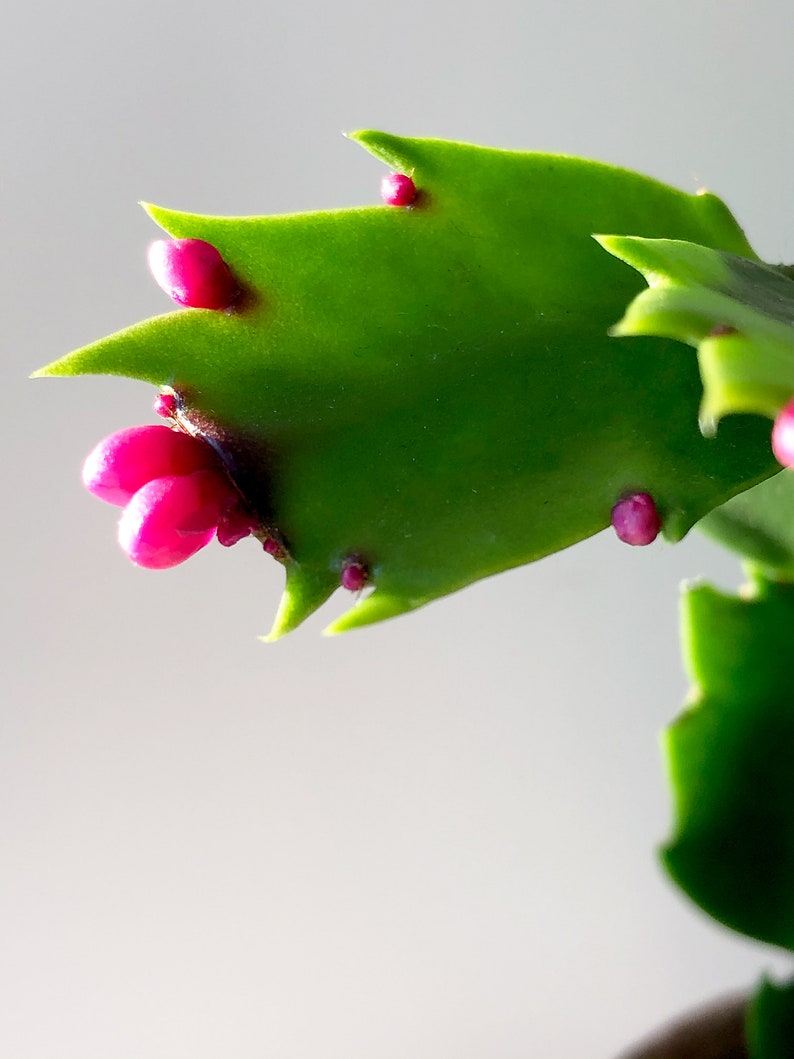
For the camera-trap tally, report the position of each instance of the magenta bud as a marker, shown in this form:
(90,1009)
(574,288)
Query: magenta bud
(397,189)
(193,273)
(165,405)
(271,546)
(171,518)
(125,461)
(355,575)
(636,520)
(234,524)
(783,436)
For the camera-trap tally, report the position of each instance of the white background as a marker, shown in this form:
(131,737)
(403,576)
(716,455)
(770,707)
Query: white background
(433,838)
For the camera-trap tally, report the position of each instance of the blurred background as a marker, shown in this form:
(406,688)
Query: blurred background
(433,838)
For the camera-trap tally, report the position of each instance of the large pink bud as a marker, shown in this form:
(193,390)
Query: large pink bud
(123,462)
(193,273)
(169,519)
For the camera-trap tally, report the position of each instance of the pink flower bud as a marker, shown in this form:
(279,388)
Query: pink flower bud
(397,189)
(165,405)
(636,520)
(783,436)
(169,519)
(128,459)
(355,575)
(193,273)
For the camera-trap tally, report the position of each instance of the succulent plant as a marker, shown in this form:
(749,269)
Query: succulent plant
(428,391)
(409,397)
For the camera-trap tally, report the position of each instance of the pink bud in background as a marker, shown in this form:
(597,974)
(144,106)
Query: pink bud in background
(355,575)
(397,189)
(171,518)
(193,273)
(783,436)
(636,520)
(128,459)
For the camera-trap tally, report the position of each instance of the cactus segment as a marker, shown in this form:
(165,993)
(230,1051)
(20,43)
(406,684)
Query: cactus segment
(433,388)
(737,313)
(759,525)
(729,758)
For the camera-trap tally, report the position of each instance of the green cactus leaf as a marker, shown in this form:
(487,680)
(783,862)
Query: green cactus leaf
(770,1021)
(737,313)
(432,389)
(729,756)
(759,525)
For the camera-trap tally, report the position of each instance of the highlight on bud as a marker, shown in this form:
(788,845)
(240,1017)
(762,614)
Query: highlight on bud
(175,494)
(193,273)
(635,519)
(397,189)
(783,435)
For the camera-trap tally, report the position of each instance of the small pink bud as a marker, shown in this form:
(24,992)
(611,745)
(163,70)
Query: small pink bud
(193,273)
(128,459)
(234,524)
(636,520)
(169,519)
(397,189)
(271,546)
(165,405)
(783,436)
(355,575)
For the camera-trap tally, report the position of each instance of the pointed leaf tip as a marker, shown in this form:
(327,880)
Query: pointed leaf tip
(373,608)
(304,592)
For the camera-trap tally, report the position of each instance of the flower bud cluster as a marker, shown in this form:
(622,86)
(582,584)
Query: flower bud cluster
(175,494)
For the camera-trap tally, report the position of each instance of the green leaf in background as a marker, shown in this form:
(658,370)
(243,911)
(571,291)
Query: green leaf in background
(730,760)
(737,313)
(433,390)
(770,1022)
(759,525)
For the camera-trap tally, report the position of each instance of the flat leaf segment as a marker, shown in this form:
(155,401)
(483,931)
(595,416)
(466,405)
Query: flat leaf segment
(432,390)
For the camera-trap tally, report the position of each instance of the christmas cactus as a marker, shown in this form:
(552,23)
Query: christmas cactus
(487,367)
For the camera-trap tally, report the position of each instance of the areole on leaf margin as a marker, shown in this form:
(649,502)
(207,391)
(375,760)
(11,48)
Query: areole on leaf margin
(431,392)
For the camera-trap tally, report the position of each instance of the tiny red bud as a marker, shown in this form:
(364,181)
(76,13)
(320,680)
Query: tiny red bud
(397,189)
(234,524)
(355,575)
(721,330)
(636,520)
(165,405)
(193,273)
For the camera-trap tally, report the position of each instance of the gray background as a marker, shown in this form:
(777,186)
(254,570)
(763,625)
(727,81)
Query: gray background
(433,838)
